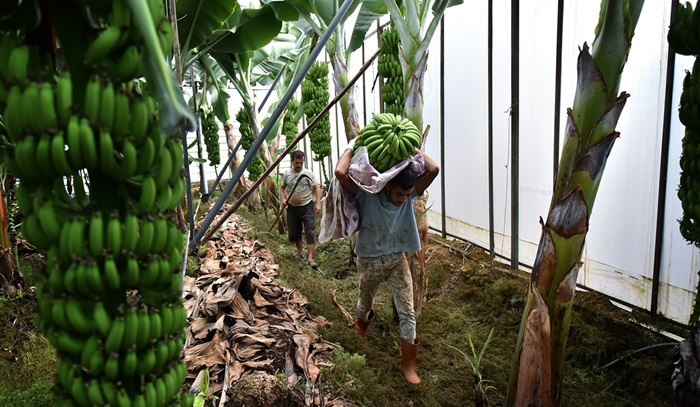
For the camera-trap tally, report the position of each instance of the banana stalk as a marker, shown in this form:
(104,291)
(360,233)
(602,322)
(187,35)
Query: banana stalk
(416,28)
(536,376)
(348,108)
(175,114)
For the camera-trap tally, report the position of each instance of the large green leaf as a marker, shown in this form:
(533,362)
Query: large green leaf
(255,29)
(284,10)
(437,5)
(327,9)
(216,88)
(199,19)
(370,11)
(226,63)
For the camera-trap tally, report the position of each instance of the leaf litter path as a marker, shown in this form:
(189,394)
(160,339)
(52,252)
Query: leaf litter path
(241,324)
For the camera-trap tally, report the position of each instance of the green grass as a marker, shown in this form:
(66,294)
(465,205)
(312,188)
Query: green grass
(466,297)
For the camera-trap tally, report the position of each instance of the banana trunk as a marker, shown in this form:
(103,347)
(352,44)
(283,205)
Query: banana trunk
(7,262)
(536,376)
(348,108)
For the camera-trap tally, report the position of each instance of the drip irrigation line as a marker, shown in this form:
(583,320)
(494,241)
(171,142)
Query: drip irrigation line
(658,345)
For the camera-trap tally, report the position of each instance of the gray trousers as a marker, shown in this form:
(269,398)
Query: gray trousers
(392,268)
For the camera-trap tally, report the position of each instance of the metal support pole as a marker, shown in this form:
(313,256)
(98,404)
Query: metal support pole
(225,167)
(273,120)
(442,127)
(203,187)
(515,131)
(557,90)
(489,96)
(200,138)
(279,75)
(669,109)
(190,204)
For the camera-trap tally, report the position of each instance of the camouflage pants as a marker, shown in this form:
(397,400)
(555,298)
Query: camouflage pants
(392,268)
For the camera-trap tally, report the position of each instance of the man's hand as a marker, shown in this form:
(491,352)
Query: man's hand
(318,207)
(351,144)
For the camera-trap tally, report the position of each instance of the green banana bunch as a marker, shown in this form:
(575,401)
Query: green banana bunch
(389,67)
(256,166)
(98,183)
(689,115)
(389,139)
(210,131)
(290,126)
(684,33)
(315,96)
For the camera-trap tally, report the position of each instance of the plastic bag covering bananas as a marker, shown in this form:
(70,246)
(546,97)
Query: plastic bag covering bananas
(109,301)
(210,131)
(314,97)
(389,67)
(256,166)
(389,140)
(290,126)
(684,33)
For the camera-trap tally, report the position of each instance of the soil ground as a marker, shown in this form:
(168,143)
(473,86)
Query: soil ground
(468,296)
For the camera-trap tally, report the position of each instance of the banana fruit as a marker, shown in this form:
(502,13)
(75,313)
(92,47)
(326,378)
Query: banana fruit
(389,68)
(98,183)
(314,98)
(389,139)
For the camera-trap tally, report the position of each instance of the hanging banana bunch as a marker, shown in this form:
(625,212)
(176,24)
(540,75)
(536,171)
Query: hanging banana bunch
(210,131)
(110,300)
(684,33)
(389,140)
(290,126)
(684,38)
(389,67)
(256,166)
(314,97)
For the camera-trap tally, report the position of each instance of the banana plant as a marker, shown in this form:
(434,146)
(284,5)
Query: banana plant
(536,376)
(416,25)
(317,15)
(196,24)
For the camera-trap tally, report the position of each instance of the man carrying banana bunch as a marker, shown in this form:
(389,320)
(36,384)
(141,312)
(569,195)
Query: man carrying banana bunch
(387,229)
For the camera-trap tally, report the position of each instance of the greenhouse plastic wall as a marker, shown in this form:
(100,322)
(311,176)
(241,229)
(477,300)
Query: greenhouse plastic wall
(619,256)
(621,243)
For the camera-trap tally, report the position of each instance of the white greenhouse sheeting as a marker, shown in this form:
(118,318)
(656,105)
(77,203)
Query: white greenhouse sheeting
(619,254)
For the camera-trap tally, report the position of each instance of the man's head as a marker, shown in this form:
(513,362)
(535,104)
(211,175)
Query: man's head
(400,188)
(298,160)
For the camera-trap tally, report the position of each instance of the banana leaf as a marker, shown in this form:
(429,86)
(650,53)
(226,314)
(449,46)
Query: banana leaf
(197,21)
(370,11)
(254,29)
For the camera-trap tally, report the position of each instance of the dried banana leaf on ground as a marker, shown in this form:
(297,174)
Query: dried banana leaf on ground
(244,325)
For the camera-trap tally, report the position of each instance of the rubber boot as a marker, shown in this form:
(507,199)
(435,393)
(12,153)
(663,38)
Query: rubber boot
(361,325)
(408,361)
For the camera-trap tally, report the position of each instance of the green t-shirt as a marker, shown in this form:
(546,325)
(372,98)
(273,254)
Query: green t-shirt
(384,227)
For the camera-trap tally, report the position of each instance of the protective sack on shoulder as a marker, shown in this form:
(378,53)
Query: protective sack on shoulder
(372,181)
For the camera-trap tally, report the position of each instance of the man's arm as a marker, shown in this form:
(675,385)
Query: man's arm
(283,194)
(341,171)
(431,171)
(318,192)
